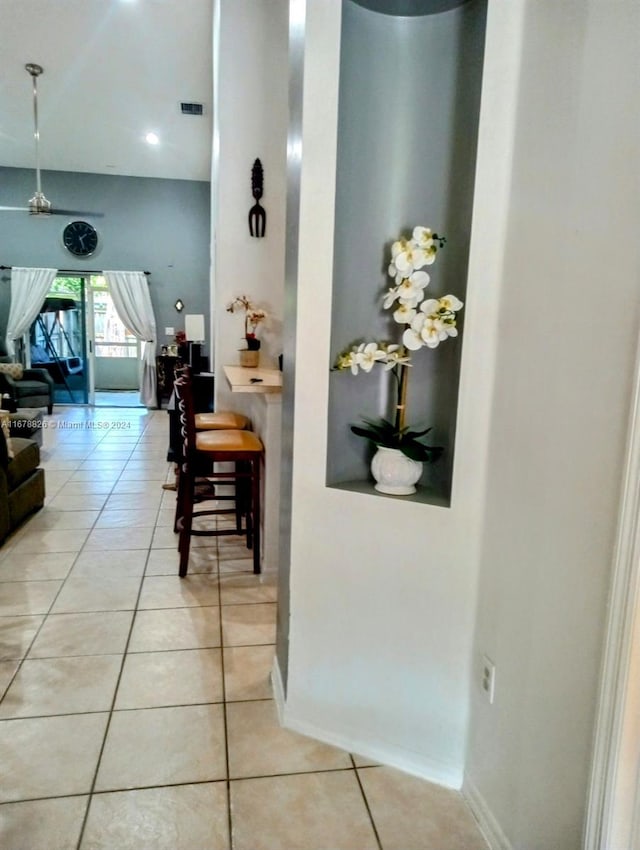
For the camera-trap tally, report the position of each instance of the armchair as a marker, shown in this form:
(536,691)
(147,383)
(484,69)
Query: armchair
(33,389)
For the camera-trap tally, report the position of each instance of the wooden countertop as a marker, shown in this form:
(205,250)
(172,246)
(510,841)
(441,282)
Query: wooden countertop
(243,380)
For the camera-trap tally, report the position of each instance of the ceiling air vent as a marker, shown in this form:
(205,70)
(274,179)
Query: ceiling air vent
(191,108)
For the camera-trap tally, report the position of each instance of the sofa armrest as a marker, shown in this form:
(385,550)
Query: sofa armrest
(5,525)
(39,375)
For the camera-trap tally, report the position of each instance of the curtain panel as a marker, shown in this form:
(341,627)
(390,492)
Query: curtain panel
(29,288)
(130,294)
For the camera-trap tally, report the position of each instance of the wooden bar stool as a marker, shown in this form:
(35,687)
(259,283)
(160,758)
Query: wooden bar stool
(223,420)
(227,420)
(241,448)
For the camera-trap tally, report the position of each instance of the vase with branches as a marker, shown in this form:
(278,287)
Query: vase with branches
(427,322)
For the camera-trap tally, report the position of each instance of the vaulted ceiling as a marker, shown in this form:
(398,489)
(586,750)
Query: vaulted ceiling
(114,70)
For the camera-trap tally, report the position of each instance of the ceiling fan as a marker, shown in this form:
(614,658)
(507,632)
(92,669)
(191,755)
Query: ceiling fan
(39,205)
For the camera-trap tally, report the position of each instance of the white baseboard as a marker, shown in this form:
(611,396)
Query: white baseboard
(278,689)
(489,826)
(442,774)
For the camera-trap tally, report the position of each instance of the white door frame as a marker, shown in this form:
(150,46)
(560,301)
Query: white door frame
(613,760)
(90,330)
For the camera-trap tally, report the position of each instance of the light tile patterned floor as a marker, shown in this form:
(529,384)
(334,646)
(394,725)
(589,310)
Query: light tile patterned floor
(137,711)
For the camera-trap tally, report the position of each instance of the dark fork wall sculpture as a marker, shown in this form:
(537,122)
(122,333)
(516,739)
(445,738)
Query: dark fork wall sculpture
(257,214)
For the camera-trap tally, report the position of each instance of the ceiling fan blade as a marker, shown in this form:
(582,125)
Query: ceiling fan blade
(77,213)
(42,213)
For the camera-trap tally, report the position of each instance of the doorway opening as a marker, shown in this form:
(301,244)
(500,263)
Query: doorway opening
(81,341)
(116,351)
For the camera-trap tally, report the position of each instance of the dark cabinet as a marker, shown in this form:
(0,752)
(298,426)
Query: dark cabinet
(165,369)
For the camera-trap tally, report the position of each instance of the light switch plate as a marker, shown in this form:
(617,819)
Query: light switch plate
(169,331)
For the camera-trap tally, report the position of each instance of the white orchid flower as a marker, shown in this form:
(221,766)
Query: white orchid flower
(346,361)
(431,306)
(426,330)
(409,260)
(404,314)
(423,237)
(395,357)
(390,297)
(411,289)
(398,247)
(450,302)
(368,354)
(412,340)
(433,332)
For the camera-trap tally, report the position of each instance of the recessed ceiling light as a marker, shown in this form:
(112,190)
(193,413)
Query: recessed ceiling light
(152,138)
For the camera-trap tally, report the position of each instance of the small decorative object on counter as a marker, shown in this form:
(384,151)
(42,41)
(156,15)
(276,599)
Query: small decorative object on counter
(257,214)
(253,317)
(397,465)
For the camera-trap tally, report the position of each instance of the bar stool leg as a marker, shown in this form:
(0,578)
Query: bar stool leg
(255,512)
(187,521)
(241,498)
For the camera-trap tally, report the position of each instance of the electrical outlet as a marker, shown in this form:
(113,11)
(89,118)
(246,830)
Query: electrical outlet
(169,331)
(488,678)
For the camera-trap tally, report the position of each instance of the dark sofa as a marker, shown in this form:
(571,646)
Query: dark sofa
(21,483)
(34,389)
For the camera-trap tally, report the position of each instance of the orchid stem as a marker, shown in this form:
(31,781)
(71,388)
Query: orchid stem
(402,397)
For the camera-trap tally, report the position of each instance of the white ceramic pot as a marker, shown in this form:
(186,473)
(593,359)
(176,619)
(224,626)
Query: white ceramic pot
(394,472)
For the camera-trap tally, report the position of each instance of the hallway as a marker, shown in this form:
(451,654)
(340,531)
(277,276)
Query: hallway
(137,709)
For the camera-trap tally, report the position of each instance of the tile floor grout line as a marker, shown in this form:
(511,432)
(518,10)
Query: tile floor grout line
(115,696)
(225,719)
(366,803)
(85,713)
(103,791)
(293,773)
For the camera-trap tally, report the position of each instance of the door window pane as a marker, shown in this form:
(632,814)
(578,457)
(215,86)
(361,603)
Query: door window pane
(112,338)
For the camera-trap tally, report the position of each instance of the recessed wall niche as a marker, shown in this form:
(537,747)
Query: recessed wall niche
(409,102)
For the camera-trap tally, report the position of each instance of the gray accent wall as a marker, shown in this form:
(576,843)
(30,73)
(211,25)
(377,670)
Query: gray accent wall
(161,226)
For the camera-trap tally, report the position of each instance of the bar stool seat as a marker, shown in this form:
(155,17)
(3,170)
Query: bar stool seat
(227,441)
(221,420)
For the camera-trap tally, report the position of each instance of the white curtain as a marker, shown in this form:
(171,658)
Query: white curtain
(130,293)
(29,288)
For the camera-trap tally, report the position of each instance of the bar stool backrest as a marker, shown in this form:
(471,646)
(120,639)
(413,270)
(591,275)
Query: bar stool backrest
(184,397)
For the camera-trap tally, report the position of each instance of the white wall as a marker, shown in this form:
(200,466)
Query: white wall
(566,347)
(250,121)
(382,590)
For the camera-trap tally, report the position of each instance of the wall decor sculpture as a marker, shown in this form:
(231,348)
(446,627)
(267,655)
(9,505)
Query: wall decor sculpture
(257,214)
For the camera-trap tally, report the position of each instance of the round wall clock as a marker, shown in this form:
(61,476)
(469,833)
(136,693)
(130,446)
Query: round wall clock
(80,238)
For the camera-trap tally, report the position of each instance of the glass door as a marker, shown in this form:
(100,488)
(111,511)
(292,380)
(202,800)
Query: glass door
(58,340)
(80,340)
